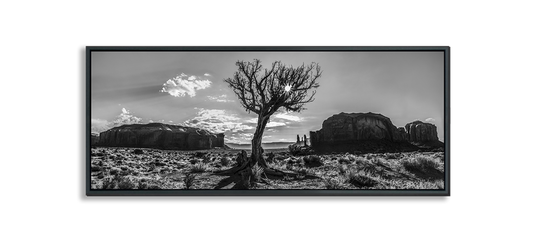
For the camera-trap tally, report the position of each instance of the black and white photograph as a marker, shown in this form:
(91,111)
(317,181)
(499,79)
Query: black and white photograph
(267,120)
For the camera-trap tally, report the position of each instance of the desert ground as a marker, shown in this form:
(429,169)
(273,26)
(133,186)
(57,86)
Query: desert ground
(134,168)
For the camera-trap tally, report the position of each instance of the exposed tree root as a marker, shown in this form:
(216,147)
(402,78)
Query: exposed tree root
(242,173)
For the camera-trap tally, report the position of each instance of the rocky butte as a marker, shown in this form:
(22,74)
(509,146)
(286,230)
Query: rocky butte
(162,136)
(371,132)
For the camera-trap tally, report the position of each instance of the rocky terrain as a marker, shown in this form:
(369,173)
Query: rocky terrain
(144,168)
(158,135)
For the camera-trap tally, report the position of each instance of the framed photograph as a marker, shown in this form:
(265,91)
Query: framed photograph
(268,121)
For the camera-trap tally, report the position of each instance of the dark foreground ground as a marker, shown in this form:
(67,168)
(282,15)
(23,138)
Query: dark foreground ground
(130,168)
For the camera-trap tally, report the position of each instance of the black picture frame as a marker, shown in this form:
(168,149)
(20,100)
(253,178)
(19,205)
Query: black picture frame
(446,48)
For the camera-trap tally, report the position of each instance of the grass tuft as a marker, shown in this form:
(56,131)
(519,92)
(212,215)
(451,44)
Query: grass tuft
(420,164)
(189,180)
(199,168)
(360,179)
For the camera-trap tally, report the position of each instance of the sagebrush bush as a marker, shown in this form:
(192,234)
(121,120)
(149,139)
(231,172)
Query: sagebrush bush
(194,161)
(108,183)
(343,169)
(312,161)
(96,168)
(378,161)
(420,164)
(360,179)
(333,183)
(225,161)
(344,160)
(199,167)
(124,183)
(142,185)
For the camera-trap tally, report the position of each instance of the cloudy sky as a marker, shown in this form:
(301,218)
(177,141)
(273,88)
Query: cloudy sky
(187,88)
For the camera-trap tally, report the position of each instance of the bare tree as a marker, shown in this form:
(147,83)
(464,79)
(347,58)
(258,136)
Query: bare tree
(265,91)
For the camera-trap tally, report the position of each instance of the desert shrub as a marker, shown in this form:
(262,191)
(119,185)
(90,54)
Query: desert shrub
(142,185)
(343,169)
(333,183)
(225,161)
(360,179)
(108,183)
(439,156)
(199,167)
(194,161)
(312,161)
(378,161)
(114,171)
(344,160)
(124,183)
(420,164)
(189,180)
(270,157)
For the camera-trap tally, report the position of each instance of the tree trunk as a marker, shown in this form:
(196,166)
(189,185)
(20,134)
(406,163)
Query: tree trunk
(257,150)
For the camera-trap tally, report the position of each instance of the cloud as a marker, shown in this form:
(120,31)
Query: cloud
(275,124)
(125,118)
(217,121)
(220,98)
(430,120)
(207,74)
(183,84)
(287,116)
(99,125)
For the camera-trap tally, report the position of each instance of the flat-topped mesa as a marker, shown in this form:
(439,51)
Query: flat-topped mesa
(162,136)
(357,127)
(418,131)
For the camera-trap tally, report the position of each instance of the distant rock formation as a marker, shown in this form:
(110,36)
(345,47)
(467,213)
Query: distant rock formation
(370,132)
(300,147)
(355,127)
(419,131)
(95,137)
(162,136)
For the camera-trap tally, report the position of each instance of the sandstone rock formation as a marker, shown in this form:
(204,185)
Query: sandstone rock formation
(371,132)
(419,131)
(300,147)
(356,127)
(163,136)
